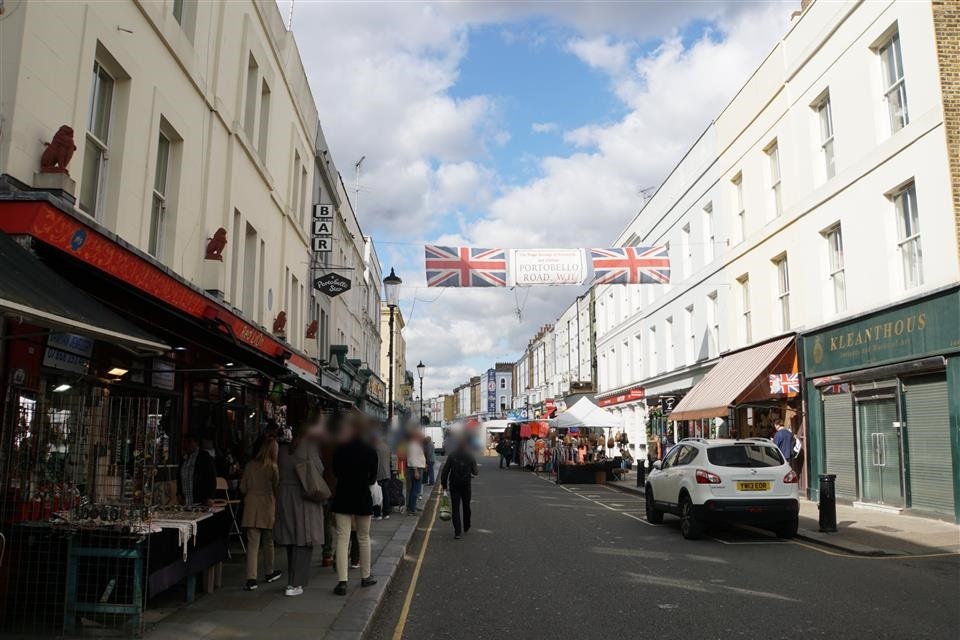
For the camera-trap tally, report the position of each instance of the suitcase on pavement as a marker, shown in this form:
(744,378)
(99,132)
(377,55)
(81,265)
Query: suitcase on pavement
(394,492)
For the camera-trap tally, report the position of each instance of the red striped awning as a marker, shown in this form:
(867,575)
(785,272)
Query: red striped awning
(733,377)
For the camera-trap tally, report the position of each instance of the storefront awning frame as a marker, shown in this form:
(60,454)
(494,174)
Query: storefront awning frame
(731,379)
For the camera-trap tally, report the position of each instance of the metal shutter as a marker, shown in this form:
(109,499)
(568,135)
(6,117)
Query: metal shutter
(838,437)
(929,465)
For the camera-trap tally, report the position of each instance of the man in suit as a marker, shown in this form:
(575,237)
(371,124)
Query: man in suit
(197,476)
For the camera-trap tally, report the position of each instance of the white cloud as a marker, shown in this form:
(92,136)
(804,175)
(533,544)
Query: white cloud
(543,127)
(600,53)
(382,76)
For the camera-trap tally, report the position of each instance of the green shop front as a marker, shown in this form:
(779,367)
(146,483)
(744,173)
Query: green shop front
(884,406)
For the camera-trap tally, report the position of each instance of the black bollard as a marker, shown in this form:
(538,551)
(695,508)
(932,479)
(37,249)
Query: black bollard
(828,502)
(641,473)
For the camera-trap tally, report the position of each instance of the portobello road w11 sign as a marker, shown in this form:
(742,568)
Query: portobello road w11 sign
(332,284)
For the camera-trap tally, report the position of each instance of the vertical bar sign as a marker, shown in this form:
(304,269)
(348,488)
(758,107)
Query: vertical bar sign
(323,228)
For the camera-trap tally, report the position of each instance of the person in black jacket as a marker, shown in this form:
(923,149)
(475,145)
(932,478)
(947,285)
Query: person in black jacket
(355,464)
(197,476)
(456,475)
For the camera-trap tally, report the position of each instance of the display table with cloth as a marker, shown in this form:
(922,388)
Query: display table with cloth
(183,544)
(587,473)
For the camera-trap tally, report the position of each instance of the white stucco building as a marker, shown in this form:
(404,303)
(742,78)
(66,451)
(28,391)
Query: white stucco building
(822,191)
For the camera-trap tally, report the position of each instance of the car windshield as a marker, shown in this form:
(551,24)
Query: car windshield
(745,455)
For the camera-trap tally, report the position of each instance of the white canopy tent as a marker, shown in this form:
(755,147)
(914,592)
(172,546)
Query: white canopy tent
(586,414)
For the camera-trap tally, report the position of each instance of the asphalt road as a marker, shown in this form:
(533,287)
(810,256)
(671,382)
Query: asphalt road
(580,562)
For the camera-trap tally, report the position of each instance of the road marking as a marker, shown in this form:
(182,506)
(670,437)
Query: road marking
(411,589)
(839,554)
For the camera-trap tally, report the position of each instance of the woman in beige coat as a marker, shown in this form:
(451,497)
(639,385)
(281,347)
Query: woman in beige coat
(259,486)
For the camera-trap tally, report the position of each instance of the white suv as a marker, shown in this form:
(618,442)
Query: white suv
(733,480)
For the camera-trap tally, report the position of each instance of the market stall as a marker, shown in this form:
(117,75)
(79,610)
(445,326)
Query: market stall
(580,452)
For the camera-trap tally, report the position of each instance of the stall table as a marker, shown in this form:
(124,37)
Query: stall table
(586,473)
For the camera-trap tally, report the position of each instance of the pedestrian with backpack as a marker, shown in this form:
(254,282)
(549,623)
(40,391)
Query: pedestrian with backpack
(456,476)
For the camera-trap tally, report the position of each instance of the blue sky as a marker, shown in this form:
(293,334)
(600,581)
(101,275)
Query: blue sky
(442,99)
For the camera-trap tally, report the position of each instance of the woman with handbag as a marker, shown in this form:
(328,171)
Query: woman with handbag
(300,496)
(258,486)
(355,464)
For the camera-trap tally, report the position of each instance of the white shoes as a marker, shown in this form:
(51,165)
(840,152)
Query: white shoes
(293,591)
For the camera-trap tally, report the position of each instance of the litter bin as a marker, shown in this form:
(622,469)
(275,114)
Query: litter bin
(828,502)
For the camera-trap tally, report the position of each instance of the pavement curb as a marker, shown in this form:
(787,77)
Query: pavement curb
(362,605)
(817,537)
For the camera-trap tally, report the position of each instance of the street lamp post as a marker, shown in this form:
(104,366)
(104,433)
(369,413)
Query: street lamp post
(391,291)
(420,369)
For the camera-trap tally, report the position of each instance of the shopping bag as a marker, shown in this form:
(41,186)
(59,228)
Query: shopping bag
(395,492)
(377,494)
(446,511)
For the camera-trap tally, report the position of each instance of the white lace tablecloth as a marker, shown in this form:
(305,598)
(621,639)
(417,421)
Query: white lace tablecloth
(185,522)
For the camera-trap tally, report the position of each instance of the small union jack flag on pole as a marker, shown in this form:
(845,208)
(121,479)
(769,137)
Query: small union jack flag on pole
(465,267)
(631,265)
(784,383)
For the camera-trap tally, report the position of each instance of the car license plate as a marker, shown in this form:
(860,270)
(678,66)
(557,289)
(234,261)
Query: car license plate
(753,486)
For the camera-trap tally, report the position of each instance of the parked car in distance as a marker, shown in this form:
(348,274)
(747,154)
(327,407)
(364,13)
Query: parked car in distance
(705,481)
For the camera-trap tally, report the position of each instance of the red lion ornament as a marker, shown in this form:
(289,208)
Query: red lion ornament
(59,151)
(216,245)
(280,323)
(312,330)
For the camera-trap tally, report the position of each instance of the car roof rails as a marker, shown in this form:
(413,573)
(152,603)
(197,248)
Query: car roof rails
(757,439)
(693,440)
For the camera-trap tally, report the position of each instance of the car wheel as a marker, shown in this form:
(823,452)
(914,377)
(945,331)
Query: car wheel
(654,515)
(690,526)
(788,529)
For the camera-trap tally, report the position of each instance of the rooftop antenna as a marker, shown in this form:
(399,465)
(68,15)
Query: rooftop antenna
(290,17)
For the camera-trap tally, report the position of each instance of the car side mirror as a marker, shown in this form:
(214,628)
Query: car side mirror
(657,464)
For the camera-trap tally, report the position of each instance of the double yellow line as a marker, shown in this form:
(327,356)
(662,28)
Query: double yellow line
(412,588)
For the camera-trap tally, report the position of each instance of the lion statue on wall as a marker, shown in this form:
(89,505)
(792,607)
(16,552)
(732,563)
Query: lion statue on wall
(280,323)
(216,245)
(59,151)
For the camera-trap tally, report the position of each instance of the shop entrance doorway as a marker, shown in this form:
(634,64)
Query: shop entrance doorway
(880,451)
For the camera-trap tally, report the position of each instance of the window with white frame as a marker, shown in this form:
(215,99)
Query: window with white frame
(158,208)
(773,157)
(262,136)
(638,355)
(908,235)
(95,154)
(652,365)
(250,99)
(834,238)
(685,251)
(690,335)
(894,85)
(825,119)
(626,363)
(783,290)
(746,319)
(671,345)
(713,325)
(709,251)
(738,207)
(295,185)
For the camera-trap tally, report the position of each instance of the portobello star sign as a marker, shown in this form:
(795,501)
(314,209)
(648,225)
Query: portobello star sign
(332,284)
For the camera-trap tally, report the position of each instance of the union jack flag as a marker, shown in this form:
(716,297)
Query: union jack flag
(784,383)
(631,265)
(465,267)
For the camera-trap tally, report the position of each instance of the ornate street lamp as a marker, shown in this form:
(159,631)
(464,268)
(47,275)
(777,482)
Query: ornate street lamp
(420,369)
(391,291)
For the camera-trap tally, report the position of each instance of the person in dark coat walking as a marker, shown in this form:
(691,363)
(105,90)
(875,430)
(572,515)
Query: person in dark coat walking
(383,474)
(197,476)
(299,523)
(456,475)
(355,464)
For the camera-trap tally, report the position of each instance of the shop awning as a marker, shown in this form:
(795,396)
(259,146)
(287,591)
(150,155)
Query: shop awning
(31,289)
(733,378)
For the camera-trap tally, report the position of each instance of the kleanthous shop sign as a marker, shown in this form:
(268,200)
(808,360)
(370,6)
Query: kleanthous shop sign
(924,328)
